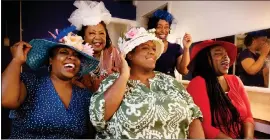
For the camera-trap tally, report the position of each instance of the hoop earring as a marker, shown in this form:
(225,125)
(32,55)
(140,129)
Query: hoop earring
(49,68)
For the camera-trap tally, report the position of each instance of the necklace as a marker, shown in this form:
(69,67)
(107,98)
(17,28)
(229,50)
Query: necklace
(99,71)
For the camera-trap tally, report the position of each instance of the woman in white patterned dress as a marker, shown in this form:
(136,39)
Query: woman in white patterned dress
(140,103)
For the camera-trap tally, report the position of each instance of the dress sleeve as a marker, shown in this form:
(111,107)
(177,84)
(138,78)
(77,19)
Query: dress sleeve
(243,55)
(29,80)
(243,93)
(195,111)
(97,106)
(197,89)
(179,51)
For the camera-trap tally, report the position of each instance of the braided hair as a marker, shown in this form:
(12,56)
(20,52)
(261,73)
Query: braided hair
(223,113)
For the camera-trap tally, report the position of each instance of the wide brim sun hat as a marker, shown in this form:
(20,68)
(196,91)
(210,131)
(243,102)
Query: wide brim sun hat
(136,36)
(230,48)
(38,55)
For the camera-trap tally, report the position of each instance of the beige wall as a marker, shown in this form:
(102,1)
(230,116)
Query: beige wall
(213,19)
(115,30)
(144,7)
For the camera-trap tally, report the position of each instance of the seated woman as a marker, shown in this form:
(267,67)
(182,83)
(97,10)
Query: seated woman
(221,97)
(139,103)
(174,56)
(92,27)
(49,106)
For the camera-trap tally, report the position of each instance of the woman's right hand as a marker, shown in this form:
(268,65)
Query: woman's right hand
(265,49)
(125,69)
(19,51)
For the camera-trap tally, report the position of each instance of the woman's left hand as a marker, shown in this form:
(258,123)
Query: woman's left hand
(187,40)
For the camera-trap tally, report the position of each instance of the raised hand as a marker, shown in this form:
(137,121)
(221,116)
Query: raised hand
(265,49)
(19,51)
(187,40)
(125,69)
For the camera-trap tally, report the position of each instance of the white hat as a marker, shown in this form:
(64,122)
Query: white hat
(136,36)
(89,13)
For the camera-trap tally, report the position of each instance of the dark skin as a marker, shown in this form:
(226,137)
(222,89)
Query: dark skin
(13,89)
(142,63)
(221,65)
(162,31)
(60,77)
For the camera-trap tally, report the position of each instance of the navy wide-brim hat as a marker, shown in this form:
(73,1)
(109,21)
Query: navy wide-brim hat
(38,55)
(259,33)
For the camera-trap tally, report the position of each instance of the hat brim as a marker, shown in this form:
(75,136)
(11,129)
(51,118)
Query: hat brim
(39,55)
(230,48)
(133,43)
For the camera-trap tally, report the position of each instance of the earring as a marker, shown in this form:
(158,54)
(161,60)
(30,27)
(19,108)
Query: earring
(49,68)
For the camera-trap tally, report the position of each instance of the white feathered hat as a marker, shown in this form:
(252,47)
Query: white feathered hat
(89,13)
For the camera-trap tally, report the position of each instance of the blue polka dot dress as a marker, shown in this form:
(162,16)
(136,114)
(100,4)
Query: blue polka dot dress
(44,116)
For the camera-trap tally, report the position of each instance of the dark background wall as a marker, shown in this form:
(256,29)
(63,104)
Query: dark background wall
(39,17)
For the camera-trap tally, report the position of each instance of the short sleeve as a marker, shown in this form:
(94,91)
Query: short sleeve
(245,54)
(179,50)
(97,106)
(195,111)
(29,80)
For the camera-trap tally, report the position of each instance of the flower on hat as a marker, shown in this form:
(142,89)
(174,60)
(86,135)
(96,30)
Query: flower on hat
(137,35)
(131,33)
(88,49)
(134,32)
(74,40)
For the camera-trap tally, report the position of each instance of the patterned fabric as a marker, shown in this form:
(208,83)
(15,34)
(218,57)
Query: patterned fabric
(163,111)
(136,36)
(43,115)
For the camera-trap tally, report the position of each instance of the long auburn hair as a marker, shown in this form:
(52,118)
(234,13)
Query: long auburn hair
(223,112)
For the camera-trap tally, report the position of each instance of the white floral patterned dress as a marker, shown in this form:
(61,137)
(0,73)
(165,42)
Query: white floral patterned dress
(163,111)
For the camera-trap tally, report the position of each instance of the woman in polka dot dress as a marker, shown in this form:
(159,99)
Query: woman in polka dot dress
(49,106)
